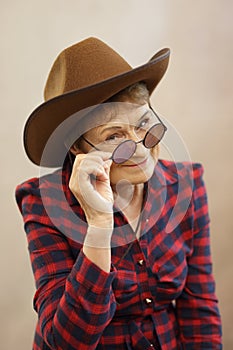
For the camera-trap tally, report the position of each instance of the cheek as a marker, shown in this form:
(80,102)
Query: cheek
(155,152)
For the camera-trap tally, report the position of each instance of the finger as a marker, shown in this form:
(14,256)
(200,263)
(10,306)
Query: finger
(100,173)
(92,200)
(92,168)
(103,155)
(94,165)
(107,166)
(98,154)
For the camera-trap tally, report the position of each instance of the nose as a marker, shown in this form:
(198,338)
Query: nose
(140,151)
(134,136)
(138,139)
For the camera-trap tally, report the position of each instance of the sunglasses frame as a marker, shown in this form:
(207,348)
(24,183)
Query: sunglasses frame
(134,142)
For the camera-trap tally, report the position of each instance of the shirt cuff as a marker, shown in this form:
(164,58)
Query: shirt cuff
(91,276)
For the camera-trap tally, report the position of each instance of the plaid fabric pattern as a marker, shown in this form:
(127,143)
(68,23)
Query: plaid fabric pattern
(160,295)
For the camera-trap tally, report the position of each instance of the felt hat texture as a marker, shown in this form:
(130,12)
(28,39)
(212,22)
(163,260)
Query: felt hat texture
(83,75)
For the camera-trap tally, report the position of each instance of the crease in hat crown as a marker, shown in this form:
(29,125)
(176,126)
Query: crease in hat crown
(98,60)
(83,75)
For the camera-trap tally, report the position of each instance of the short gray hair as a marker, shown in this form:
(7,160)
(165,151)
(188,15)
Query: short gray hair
(137,92)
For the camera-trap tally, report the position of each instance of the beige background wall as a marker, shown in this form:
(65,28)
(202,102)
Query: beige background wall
(195,95)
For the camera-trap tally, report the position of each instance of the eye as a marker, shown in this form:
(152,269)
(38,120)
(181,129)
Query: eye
(115,138)
(112,137)
(143,124)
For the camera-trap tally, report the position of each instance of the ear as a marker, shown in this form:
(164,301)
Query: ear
(75,150)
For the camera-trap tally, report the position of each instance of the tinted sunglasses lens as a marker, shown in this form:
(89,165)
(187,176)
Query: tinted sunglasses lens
(154,135)
(124,151)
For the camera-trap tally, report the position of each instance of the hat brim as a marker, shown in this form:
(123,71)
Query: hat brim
(49,115)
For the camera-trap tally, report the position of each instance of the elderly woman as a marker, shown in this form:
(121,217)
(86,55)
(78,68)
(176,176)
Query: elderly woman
(115,265)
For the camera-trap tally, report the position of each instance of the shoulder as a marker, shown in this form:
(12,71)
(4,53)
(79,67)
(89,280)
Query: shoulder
(29,191)
(181,167)
(187,175)
(185,191)
(174,172)
(33,184)
(184,182)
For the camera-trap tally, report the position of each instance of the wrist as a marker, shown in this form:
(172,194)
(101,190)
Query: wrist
(99,222)
(98,237)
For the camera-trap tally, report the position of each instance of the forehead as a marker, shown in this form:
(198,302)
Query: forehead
(119,112)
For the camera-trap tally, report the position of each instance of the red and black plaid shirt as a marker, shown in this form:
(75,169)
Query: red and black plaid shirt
(159,295)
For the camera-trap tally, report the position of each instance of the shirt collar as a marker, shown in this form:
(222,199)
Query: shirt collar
(164,175)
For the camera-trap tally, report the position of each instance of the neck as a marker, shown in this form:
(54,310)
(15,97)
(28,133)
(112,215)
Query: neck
(128,196)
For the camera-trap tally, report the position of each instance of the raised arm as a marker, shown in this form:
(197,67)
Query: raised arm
(74,298)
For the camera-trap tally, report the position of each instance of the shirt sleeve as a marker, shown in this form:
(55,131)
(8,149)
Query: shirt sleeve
(197,307)
(74,298)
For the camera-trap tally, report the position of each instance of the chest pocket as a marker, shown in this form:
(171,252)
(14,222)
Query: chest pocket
(169,271)
(125,287)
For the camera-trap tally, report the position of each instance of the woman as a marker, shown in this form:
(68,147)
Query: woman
(116,267)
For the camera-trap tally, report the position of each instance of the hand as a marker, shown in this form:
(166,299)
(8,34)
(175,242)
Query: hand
(90,184)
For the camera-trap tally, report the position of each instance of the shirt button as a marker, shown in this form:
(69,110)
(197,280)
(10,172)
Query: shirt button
(140,262)
(148,300)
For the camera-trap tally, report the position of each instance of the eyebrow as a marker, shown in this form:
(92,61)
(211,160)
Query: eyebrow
(120,127)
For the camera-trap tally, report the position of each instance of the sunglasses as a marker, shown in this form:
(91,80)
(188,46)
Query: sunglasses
(125,150)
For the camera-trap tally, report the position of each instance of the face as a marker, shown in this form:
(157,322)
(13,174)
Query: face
(120,122)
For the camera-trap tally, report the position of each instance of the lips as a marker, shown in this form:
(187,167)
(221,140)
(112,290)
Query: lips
(136,164)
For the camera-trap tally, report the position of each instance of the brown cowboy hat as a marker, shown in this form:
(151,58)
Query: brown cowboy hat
(85,74)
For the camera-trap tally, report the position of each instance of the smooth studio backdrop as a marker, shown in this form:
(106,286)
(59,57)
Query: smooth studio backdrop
(195,96)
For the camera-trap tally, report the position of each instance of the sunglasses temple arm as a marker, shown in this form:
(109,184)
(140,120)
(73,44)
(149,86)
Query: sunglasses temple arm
(160,120)
(89,143)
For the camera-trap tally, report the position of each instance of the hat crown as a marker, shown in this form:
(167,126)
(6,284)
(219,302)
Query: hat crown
(83,64)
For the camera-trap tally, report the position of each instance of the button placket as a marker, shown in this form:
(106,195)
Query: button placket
(148,301)
(141,262)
